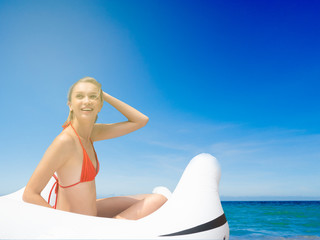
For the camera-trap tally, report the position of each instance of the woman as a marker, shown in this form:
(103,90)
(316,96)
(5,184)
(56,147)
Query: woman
(72,157)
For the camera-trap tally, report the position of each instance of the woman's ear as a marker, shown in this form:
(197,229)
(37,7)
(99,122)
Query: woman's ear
(69,105)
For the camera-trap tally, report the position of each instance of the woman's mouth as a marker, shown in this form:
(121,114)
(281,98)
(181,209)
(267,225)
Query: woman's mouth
(87,109)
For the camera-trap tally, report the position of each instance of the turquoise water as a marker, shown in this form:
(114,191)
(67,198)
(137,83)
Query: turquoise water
(271,220)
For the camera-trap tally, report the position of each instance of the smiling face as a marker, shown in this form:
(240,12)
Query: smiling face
(85,102)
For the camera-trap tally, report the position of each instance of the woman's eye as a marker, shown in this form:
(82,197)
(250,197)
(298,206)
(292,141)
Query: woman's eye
(79,96)
(93,96)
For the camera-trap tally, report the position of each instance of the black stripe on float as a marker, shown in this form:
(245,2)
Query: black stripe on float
(218,222)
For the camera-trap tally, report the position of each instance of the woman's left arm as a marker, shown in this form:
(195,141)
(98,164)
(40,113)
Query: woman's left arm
(135,121)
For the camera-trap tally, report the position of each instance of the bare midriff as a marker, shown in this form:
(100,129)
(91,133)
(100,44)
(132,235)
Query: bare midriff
(79,199)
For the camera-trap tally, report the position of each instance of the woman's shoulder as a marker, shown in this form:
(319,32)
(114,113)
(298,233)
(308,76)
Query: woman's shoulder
(62,147)
(65,141)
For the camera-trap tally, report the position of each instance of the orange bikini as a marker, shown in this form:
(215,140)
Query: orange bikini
(88,172)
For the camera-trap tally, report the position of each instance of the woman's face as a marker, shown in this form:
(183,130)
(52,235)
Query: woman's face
(85,101)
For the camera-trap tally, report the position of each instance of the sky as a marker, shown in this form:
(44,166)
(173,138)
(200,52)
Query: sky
(236,79)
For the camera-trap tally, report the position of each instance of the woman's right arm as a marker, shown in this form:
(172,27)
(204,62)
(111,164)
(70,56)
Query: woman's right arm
(55,156)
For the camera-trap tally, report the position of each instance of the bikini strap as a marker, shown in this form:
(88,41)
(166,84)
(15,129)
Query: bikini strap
(57,184)
(77,135)
(64,126)
(69,123)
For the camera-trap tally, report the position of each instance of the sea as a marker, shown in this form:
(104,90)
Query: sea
(273,220)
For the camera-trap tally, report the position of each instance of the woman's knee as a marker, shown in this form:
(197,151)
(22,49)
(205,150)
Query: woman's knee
(158,199)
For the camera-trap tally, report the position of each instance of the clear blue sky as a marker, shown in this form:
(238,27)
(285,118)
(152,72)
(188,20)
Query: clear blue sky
(237,79)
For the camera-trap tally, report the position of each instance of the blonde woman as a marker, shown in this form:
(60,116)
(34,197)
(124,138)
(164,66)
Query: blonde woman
(72,157)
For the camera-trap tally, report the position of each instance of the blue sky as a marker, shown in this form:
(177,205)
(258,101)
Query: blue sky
(237,79)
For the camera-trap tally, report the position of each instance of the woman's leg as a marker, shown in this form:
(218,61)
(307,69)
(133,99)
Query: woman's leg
(129,207)
(110,207)
(143,207)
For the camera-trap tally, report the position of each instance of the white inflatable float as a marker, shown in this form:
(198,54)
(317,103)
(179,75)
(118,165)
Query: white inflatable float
(193,211)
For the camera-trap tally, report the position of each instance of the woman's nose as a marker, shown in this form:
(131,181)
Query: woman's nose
(87,100)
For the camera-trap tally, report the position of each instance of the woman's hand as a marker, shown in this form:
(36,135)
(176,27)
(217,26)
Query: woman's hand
(135,121)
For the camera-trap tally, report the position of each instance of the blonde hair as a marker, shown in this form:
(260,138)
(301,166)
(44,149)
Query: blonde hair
(82,80)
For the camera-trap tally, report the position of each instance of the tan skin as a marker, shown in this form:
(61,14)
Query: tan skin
(65,155)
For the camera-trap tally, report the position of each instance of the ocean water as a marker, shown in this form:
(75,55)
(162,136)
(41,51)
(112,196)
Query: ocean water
(273,220)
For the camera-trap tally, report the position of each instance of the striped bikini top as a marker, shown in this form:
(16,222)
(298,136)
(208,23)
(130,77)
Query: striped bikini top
(88,172)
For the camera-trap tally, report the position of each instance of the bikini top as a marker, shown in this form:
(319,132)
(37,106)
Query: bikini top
(88,172)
